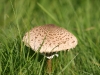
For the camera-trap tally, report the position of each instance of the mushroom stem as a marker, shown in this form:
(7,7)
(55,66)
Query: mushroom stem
(49,66)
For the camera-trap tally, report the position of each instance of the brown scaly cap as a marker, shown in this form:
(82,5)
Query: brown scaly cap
(54,39)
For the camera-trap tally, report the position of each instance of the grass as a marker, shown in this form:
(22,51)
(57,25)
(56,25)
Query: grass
(81,17)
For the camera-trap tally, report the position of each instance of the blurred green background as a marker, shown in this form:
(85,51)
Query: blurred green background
(81,17)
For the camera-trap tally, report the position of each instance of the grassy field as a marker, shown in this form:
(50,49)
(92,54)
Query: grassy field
(81,17)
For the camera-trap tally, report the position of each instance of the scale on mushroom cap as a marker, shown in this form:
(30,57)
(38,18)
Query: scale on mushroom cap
(52,38)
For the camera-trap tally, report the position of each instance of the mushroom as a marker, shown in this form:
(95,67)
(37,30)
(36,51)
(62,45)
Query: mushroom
(48,40)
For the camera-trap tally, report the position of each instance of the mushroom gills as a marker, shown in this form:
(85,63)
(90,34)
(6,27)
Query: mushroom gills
(50,55)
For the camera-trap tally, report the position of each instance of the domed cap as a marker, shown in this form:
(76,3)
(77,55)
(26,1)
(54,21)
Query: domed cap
(50,38)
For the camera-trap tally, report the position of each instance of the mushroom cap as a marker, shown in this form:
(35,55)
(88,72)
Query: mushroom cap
(49,38)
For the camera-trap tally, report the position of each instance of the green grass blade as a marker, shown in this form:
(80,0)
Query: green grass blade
(47,13)
(60,73)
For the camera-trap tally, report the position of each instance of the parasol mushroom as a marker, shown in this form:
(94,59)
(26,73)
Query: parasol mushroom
(49,39)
